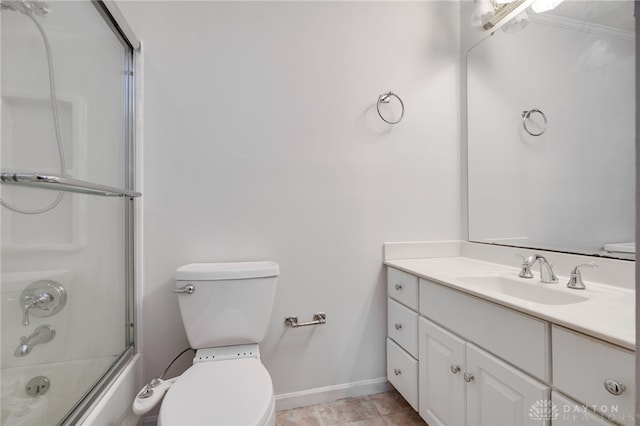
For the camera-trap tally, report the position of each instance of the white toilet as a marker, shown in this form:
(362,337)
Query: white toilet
(225,309)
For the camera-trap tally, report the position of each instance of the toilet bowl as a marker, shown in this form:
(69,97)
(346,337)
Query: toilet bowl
(229,392)
(225,309)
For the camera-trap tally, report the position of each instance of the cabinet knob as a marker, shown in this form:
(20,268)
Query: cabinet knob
(613,387)
(468,377)
(454,369)
(398,287)
(398,326)
(397,372)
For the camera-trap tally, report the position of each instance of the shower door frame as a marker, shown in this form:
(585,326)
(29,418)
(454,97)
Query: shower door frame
(116,21)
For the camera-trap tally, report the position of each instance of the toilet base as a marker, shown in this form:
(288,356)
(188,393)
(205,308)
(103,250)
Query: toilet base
(271,418)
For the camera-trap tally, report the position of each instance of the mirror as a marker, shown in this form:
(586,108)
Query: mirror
(551,132)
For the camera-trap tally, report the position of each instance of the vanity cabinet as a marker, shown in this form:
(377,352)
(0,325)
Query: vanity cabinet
(402,334)
(459,359)
(460,383)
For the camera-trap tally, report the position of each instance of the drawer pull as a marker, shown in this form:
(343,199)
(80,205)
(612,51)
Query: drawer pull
(397,372)
(468,377)
(398,287)
(613,387)
(398,326)
(454,369)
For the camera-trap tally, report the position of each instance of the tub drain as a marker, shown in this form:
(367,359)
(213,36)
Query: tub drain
(38,386)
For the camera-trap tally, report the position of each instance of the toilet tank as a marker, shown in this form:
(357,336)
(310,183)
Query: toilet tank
(231,303)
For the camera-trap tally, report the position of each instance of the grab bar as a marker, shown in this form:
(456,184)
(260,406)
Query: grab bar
(318,318)
(60,183)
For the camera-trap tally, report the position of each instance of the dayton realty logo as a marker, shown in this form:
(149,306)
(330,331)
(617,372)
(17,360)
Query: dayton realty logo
(543,409)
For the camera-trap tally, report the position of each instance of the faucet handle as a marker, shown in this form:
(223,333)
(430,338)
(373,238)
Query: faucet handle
(575,281)
(576,270)
(42,299)
(31,302)
(527,262)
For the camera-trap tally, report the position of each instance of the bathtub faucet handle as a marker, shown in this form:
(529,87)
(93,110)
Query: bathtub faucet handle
(31,302)
(42,299)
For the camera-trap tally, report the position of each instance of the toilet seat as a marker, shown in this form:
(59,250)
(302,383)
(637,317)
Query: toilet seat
(227,392)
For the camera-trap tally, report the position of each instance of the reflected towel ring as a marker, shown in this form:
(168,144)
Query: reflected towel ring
(527,114)
(385,99)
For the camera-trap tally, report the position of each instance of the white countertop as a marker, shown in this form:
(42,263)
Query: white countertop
(608,314)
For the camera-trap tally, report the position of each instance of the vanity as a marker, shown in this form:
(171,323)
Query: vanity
(470,342)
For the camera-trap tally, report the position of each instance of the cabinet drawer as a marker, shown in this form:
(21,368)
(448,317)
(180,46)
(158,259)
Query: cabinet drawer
(403,287)
(402,326)
(402,373)
(567,412)
(581,365)
(518,338)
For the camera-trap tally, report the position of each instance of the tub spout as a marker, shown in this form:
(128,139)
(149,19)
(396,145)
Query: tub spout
(42,334)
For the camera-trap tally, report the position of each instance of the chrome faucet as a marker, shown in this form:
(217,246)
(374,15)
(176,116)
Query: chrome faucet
(575,281)
(42,334)
(546,270)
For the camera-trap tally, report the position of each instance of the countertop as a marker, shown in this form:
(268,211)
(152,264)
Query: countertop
(608,314)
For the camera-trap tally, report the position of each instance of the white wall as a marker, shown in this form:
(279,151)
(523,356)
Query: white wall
(262,142)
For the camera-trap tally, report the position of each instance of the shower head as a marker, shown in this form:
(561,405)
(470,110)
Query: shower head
(26,7)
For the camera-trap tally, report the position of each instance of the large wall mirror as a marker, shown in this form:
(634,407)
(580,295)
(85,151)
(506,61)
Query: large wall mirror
(551,132)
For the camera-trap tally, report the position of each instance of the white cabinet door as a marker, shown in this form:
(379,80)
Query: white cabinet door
(441,387)
(498,394)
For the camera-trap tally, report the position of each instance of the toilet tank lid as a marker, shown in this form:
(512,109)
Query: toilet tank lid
(226,271)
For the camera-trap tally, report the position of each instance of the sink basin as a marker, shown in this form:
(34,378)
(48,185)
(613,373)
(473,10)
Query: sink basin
(535,291)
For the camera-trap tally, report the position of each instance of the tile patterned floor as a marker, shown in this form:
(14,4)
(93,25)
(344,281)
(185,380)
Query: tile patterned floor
(382,409)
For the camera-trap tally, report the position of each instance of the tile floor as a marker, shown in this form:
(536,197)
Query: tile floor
(382,409)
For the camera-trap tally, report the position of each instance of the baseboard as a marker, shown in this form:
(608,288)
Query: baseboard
(304,398)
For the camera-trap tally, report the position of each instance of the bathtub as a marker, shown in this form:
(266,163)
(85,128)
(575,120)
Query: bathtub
(112,407)
(69,381)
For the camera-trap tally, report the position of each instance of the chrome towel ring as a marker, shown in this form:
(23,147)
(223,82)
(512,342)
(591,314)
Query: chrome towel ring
(385,98)
(527,114)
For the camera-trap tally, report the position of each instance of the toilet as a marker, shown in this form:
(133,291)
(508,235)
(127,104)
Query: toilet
(225,308)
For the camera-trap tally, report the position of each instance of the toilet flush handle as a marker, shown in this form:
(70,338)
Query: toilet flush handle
(188,289)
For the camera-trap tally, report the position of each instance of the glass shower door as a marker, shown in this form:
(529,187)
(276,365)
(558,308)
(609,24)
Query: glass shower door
(66,215)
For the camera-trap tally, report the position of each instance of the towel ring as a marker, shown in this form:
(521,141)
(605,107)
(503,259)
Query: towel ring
(527,114)
(385,99)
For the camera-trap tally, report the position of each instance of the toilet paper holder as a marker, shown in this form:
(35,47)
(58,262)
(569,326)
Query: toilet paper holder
(318,319)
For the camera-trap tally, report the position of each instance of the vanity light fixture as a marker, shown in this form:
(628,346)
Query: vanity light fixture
(540,6)
(488,13)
